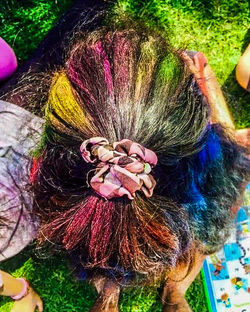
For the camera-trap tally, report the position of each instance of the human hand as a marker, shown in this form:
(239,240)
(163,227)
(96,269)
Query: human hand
(243,137)
(29,303)
(198,65)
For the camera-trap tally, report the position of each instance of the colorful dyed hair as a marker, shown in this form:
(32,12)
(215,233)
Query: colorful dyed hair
(130,84)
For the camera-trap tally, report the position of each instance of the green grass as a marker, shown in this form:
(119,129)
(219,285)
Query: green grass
(61,292)
(25,23)
(216,27)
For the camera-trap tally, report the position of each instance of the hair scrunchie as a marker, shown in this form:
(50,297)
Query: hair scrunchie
(122,167)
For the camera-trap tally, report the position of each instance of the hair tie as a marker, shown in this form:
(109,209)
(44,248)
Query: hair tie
(24,292)
(122,167)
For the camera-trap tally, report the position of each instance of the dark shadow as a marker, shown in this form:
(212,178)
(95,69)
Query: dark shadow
(217,10)
(246,41)
(17,261)
(238,99)
(50,53)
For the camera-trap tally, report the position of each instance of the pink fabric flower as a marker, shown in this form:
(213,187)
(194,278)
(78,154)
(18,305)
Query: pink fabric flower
(122,167)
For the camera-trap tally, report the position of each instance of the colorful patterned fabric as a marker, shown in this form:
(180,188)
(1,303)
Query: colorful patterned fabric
(19,133)
(122,167)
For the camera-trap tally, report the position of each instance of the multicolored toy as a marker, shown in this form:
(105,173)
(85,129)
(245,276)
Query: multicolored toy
(226,273)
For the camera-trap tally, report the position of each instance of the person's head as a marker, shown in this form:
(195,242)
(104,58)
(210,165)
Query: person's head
(130,84)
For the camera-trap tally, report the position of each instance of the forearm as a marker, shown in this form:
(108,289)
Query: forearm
(208,84)
(219,109)
(10,285)
(243,70)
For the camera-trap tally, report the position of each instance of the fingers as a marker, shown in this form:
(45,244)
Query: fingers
(243,137)
(38,302)
(20,307)
(188,60)
(28,303)
(201,62)
(196,63)
(40,305)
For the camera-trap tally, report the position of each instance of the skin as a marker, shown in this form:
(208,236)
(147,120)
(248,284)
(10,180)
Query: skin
(243,70)
(173,296)
(209,86)
(174,292)
(13,287)
(108,295)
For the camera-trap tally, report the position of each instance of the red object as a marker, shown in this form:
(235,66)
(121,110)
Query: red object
(34,170)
